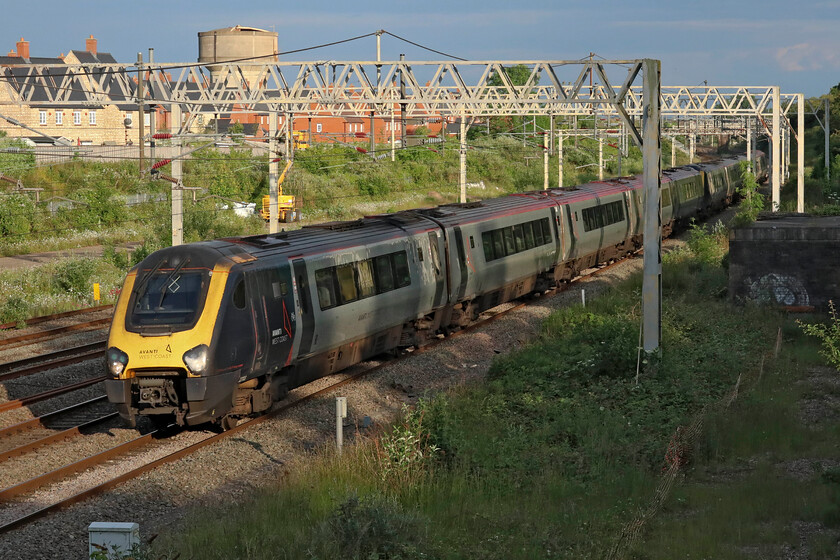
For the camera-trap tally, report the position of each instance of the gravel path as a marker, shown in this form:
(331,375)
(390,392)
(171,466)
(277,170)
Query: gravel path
(258,456)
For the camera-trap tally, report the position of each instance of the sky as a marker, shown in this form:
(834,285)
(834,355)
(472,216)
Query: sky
(795,45)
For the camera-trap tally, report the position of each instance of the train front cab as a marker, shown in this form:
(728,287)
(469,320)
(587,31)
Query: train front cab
(184,337)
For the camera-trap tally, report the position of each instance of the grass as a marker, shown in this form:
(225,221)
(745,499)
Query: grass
(738,500)
(550,459)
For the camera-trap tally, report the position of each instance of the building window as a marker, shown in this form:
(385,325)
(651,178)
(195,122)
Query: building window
(59,117)
(42,117)
(77,117)
(319,127)
(129,119)
(92,117)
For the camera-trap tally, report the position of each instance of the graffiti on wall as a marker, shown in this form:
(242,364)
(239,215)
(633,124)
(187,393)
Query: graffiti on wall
(778,289)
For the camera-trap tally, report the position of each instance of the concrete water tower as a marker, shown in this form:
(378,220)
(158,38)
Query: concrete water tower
(236,43)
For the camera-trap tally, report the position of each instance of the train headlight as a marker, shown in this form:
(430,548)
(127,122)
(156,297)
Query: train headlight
(116,360)
(196,359)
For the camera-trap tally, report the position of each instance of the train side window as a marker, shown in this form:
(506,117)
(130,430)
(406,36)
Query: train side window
(519,238)
(346,275)
(498,244)
(510,247)
(403,276)
(325,281)
(419,254)
(666,197)
(472,242)
(487,242)
(528,229)
(367,287)
(239,299)
(546,230)
(384,274)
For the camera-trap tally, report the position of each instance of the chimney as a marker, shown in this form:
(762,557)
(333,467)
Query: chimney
(90,45)
(23,48)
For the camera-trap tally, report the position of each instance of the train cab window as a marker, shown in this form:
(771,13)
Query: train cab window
(364,270)
(325,282)
(347,283)
(519,237)
(239,299)
(168,297)
(384,274)
(401,273)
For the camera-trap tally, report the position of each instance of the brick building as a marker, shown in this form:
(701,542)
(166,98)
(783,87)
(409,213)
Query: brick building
(81,123)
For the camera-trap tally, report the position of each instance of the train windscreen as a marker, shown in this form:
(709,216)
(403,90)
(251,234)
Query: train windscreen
(168,298)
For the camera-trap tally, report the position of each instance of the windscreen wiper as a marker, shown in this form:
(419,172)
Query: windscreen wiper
(141,286)
(171,275)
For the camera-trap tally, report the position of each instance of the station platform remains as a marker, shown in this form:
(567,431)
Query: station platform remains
(790,260)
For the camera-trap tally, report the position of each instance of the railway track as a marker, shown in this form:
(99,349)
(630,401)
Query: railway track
(56,316)
(45,362)
(50,334)
(16,510)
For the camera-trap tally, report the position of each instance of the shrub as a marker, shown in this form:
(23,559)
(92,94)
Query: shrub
(372,527)
(829,335)
(74,276)
(406,455)
(15,310)
(17,213)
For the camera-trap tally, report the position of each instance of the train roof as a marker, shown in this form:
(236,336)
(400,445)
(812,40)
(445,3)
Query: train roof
(334,236)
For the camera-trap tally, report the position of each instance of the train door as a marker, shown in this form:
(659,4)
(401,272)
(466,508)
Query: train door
(274,300)
(301,281)
(435,250)
(259,319)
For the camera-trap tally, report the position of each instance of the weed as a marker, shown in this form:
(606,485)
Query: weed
(752,202)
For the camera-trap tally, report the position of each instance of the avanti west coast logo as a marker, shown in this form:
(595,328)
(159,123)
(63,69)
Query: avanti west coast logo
(155,353)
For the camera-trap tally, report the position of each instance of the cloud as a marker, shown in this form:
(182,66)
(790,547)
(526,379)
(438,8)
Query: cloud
(808,57)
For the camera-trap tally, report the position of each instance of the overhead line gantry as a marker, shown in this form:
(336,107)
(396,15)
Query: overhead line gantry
(411,88)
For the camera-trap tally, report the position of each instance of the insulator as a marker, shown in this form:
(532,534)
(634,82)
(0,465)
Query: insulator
(161,136)
(161,163)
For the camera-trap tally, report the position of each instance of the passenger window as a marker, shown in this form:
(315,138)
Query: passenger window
(487,242)
(326,287)
(510,248)
(519,238)
(403,277)
(366,284)
(498,244)
(528,228)
(347,283)
(239,299)
(384,274)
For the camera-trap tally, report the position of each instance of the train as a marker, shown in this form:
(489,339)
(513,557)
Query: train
(216,331)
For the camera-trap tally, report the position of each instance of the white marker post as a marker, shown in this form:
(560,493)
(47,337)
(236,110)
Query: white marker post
(340,415)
